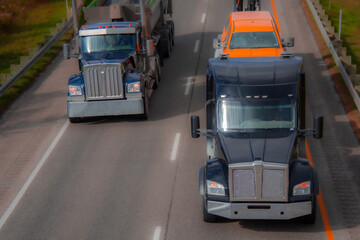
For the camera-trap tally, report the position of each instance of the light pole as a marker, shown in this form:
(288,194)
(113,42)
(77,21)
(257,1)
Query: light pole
(75,16)
(67,8)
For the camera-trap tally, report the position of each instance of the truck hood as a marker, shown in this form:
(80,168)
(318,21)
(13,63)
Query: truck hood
(108,57)
(240,150)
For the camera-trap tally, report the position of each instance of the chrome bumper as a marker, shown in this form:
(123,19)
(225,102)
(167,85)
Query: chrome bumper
(280,211)
(105,108)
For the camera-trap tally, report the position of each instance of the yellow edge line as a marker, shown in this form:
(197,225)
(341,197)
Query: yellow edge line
(320,199)
(324,216)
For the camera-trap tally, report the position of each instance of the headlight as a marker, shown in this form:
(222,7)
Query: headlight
(215,188)
(74,90)
(133,87)
(303,188)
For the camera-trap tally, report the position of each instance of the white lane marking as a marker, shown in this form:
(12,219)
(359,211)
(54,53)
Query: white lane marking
(32,176)
(175,147)
(203,17)
(157,233)
(188,84)
(197,44)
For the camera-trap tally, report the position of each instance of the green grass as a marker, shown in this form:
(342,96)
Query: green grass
(350,27)
(36,24)
(30,76)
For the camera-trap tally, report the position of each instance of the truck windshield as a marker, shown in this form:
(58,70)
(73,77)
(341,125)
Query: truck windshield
(254,40)
(256,114)
(110,42)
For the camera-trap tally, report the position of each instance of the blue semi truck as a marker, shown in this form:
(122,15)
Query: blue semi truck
(120,53)
(255,129)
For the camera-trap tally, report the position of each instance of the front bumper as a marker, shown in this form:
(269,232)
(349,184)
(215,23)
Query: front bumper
(105,108)
(273,211)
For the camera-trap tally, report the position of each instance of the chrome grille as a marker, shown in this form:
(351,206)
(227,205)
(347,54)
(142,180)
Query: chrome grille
(103,81)
(258,181)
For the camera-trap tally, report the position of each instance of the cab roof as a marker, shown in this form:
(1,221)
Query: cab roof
(255,70)
(254,21)
(269,77)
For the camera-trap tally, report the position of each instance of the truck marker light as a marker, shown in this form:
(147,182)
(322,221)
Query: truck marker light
(256,97)
(107,26)
(114,26)
(290,95)
(223,96)
(248,97)
(84,27)
(99,26)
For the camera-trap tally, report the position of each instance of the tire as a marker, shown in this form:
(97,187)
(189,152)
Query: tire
(171,25)
(311,218)
(165,43)
(145,99)
(207,217)
(74,119)
(157,78)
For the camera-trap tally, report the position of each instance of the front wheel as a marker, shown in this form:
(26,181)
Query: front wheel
(311,218)
(157,78)
(145,99)
(207,217)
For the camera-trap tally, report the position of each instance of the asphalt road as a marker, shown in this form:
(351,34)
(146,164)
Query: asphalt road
(123,178)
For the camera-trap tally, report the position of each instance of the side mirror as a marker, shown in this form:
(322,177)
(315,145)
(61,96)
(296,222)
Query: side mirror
(150,47)
(318,127)
(290,42)
(216,43)
(195,125)
(66,51)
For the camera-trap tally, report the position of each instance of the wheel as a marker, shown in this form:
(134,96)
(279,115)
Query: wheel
(165,43)
(311,218)
(74,119)
(171,25)
(157,78)
(145,99)
(207,217)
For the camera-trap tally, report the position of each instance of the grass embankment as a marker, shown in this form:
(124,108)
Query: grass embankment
(350,27)
(32,25)
(340,86)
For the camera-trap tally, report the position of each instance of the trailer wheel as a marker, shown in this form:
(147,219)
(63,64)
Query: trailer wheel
(171,25)
(161,58)
(145,100)
(207,217)
(311,218)
(165,43)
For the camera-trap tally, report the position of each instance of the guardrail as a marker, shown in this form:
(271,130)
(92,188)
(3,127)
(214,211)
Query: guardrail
(335,55)
(35,57)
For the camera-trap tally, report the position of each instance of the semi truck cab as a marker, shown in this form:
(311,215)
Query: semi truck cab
(119,58)
(254,110)
(250,34)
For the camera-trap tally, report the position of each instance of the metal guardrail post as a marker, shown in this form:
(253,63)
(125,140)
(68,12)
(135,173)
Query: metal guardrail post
(33,59)
(337,60)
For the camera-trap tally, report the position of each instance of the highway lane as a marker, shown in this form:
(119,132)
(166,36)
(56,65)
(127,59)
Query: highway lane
(122,178)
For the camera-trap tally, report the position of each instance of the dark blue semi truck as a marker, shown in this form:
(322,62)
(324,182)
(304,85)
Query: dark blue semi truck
(255,129)
(120,50)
